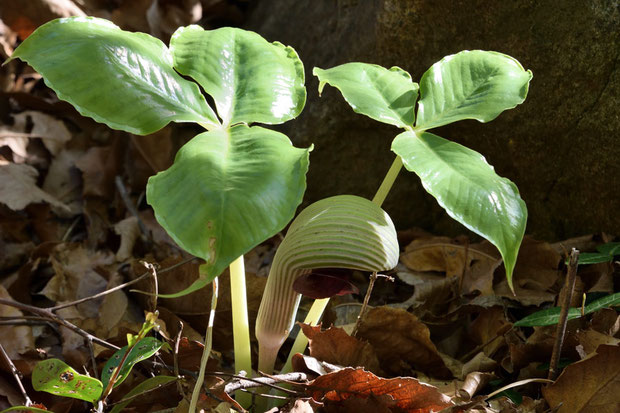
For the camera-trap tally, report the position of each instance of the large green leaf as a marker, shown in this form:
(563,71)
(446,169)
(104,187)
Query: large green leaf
(468,188)
(250,79)
(227,191)
(123,79)
(470,85)
(385,95)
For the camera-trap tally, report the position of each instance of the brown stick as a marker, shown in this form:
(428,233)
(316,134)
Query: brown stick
(17,375)
(360,317)
(48,314)
(121,286)
(561,329)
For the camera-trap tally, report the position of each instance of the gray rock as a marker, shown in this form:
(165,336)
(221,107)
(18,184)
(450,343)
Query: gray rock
(561,147)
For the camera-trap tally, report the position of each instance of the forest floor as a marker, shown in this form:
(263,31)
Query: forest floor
(439,333)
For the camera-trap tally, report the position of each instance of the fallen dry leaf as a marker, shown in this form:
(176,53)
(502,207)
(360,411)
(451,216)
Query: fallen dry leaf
(473,264)
(536,272)
(23,17)
(474,382)
(64,182)
(405,393)
(129,231)
(402,342)
(99,166)
(589,340)
(487,329)
(14,339)
(589,386)
(335,346)
(18,187)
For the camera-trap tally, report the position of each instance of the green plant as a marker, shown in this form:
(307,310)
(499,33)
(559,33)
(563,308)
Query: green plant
(551,315)
(229,188)
(56,377)
(468,85)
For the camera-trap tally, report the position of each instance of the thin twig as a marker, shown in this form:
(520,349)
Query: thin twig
(48,314)
(151,268)
(17,375)
(241,383)
(360,317)
(135,396)
(129,205)
(561,329)
(91,350)
(175,358)
(121,286)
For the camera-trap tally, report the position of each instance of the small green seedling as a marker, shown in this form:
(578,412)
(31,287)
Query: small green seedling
(56,377)
(231,187)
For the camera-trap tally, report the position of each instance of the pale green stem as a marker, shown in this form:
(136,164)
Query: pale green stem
(301,341)
(206,351)
(388,181)
(241,326)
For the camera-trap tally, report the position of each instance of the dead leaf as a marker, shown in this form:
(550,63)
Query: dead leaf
(487,329)
(404,393)
(335,346)
(536,272)
(76,277)
(606,321)
(99,166)
(64,182)
(52,131)
(591,385)
(300,406)
(112,308)
(590,340)
(129,231)
(312,366)
(18,187)
(14,339)
(402,342)
(480,363)
(473,264)
(474,382)
(25,17)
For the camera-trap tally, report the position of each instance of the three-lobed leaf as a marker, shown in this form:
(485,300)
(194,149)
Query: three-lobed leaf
(468,188)
(56,377)
(250,79)
(472,84)
(227,191)
(123,79)
(386,95)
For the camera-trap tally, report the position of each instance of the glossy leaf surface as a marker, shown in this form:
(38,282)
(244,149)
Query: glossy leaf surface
(227,191)
(385,95)
(468,188)
(56,377)
(123,79)
(250,79)
(551,316)
(470,85)
(142,350)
